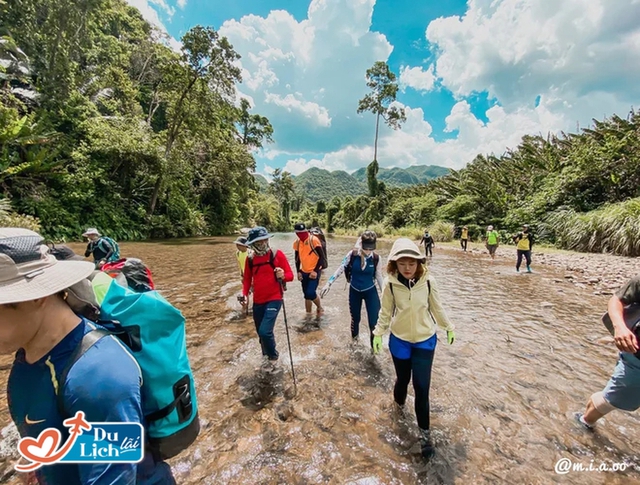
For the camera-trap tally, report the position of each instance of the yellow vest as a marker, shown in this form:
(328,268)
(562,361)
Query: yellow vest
(524,244)
(465,234)
(242,258)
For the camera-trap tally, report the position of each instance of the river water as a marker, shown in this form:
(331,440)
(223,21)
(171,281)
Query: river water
(528,355)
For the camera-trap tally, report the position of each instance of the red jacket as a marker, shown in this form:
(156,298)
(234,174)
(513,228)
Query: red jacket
(265,286)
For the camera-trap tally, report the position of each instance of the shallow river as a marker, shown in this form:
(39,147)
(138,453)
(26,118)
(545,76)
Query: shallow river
(528,354)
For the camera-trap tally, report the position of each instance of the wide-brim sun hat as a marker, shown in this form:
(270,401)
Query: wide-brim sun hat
(257,234)
(241,241)
(28,271)
(405,248)
(91,231)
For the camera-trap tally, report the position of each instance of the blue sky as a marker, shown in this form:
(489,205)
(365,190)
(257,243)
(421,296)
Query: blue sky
(475,75)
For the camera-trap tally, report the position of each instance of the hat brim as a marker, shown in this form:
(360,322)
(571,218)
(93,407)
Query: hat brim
(262,238)
(407,253)
(55,278)
(368,245)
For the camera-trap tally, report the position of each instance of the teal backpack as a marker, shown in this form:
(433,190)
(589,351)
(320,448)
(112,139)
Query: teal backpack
(154,332)
(116,249)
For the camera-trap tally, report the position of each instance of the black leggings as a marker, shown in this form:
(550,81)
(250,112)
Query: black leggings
(419,364)
(526,254)
(463,244)
(428,251)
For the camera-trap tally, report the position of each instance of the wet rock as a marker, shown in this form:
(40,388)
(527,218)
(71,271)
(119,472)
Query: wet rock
(9,442)
(181,300)
(546,304)
(284,411)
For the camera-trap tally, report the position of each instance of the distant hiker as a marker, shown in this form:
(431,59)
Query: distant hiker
(242,251)
(310,256)
(428,242)
(464,238)
(622,392)
(362,269)
(411,309)
(492,240)
(40,327)
(266,271)
(102,248)
(524,244)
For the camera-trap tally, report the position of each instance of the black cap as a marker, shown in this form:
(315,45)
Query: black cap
(300,227)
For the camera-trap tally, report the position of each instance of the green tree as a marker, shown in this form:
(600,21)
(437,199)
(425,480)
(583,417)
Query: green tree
(384,89)
(281,188)
(254,129)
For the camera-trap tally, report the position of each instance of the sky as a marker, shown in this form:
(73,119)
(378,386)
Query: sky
(474,76)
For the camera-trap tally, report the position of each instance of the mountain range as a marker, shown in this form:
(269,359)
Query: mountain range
(319,184)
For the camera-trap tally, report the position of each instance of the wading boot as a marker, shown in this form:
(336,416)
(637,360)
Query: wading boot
(426,444)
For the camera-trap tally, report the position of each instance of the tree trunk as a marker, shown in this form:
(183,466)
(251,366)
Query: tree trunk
(375,143)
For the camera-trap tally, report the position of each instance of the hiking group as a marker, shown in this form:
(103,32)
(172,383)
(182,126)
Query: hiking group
(409,310)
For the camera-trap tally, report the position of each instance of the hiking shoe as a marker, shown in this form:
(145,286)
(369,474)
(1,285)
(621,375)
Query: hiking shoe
(579,417)
(426,445)
(529,270)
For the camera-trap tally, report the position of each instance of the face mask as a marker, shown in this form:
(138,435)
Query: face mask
(303,236)
(260,248)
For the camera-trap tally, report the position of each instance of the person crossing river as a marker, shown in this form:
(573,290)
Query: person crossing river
(265,270)
(361,267)
(411,309)
(309,255)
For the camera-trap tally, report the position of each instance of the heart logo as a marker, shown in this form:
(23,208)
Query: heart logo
(38,450)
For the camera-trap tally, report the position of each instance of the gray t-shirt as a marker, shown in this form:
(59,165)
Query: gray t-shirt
(630,292)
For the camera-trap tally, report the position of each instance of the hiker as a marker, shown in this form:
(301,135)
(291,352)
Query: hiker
(266,271)
(37,323)
(411,309)
(492,241)
(464,238)
(622,392)
(524,244)
(361,267)
(104,249)
(309,255)
(242,251)
(428,242)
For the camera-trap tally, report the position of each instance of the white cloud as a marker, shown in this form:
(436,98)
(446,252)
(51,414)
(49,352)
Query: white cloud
(299,165)
(182,4)
(168,9)
(293,104)
(417,78)
(314,68)
(517,49)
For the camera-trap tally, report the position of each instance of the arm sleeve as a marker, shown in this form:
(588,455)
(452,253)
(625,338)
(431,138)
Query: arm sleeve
(321,255)
(379,277)
(436,309)
(386,310)
(87,253)
(296,255)
(246,279)
(630,292)
(105,396)
(340,270)
(281,261)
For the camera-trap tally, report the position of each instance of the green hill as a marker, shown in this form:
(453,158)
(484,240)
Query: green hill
(403,177)
(318,184)
(262,182)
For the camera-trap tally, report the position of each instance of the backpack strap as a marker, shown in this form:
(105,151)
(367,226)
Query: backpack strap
(87,341)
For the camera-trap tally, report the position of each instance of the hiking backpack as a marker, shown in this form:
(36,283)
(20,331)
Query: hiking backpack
(138,275)
(271,263)
(116,249)
(154,333)
(348,268)
(317,232)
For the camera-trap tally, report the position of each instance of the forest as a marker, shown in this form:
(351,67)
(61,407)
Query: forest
(102,124)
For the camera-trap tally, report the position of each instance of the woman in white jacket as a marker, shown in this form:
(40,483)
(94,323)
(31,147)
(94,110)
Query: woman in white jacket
(411,310)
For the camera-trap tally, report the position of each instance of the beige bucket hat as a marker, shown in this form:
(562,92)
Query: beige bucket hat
(28,271)
(405,248)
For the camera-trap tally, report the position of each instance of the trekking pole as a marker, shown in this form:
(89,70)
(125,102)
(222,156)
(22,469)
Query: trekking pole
(286,326)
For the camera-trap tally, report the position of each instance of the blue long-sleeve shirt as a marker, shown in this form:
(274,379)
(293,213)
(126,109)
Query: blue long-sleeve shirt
(104,383)
(360,284)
